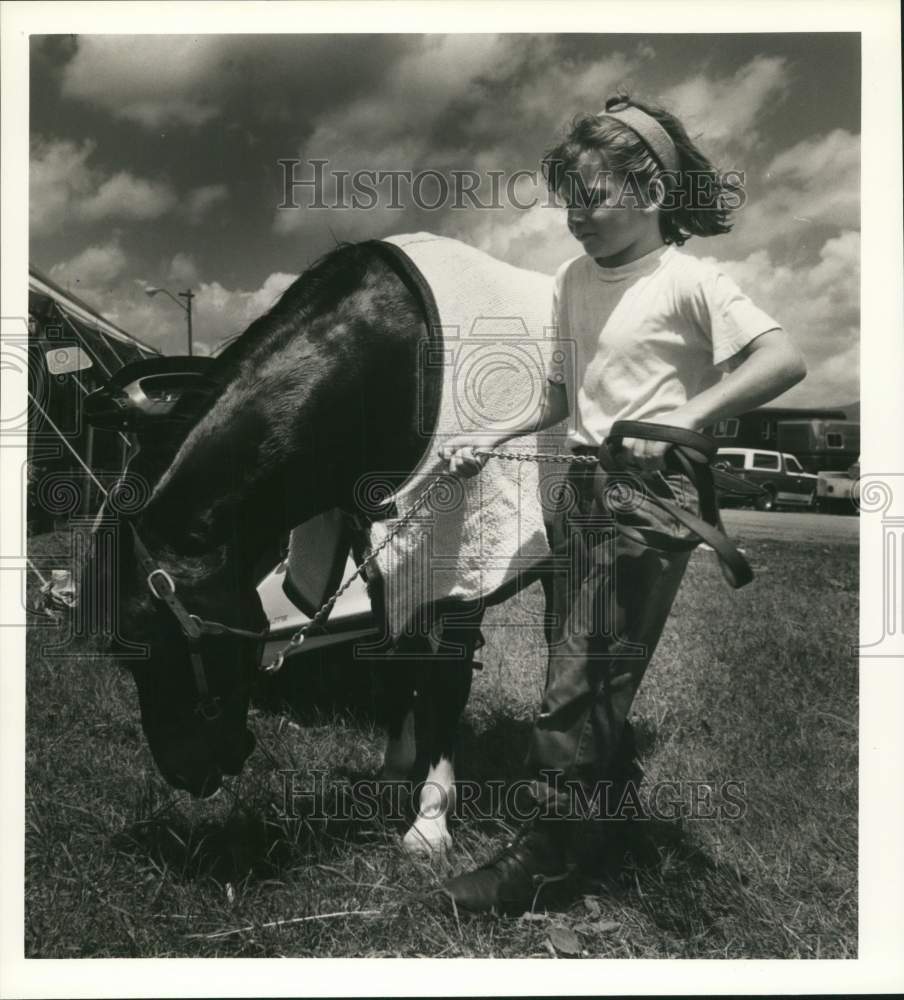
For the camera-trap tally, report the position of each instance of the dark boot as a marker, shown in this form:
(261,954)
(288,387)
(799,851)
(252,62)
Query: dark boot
(513,880)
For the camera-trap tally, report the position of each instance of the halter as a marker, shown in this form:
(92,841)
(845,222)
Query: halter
(163,589)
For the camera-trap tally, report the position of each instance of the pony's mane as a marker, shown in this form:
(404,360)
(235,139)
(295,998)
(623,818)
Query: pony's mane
(332,276)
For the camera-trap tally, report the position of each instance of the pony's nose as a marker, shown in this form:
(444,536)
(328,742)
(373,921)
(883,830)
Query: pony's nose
(200,785)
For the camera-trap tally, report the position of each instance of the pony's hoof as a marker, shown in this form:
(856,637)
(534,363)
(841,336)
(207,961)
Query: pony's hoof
(427,840)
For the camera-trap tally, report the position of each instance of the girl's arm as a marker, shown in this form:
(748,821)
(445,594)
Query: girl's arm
(764,369)
(459,450)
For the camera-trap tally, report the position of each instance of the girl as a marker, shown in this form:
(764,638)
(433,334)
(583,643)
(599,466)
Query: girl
(650,334)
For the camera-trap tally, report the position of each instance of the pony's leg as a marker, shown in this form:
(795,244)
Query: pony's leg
(443,688)
(400,754)
(442,695)
(396,712)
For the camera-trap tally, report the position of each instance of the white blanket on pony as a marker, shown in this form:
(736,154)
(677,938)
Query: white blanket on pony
(474,535)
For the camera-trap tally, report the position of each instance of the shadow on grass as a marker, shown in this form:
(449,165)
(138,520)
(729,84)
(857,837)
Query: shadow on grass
(655,864)
(323,683)
(252,843)
(653,867)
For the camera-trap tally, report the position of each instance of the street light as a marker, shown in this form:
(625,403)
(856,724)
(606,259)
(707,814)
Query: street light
(188,295)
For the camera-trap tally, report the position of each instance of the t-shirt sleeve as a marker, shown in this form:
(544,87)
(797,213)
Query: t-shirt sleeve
(729,317)
(558,348)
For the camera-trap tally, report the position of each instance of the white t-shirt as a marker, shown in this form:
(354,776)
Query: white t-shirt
(638,341)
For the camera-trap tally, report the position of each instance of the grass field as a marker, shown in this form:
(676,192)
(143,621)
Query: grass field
(755,687)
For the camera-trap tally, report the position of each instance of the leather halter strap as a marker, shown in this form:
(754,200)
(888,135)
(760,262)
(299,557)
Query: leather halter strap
(689,454)
(163,589)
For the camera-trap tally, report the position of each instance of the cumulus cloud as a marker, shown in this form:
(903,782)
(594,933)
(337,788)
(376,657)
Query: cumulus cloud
(63,185)
(384,129)
(448,103)
(199,201)
(59,176)
(471,111)
(218,312)
(124,196)
(562,87)
(92,269)
(727,110)
(476,102)
(222,312)
(818,180)
(805,192)
(535,238)
(150,79)
(819,305)
(162,81)
(182,268)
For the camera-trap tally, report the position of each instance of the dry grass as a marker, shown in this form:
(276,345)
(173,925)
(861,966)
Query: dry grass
(755,687)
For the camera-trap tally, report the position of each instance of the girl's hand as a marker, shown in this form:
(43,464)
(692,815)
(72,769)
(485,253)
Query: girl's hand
(459,453)
(650,455)
(768,366)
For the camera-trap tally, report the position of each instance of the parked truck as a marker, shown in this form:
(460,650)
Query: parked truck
(831,450)
(839,492)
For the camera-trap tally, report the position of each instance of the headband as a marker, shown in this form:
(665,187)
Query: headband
(649,131)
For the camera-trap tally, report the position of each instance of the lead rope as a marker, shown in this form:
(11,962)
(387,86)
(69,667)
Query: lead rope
(323,613)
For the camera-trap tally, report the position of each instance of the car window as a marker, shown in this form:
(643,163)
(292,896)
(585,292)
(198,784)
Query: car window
(792,465)
(735,461)
(834,440)
(763,460)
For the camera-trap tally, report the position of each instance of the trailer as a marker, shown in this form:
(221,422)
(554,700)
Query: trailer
(821,445)
(759,428)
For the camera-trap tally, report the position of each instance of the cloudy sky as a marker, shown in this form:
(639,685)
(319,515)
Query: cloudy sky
(155,160)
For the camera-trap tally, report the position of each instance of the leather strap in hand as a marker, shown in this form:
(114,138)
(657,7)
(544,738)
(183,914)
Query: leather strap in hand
(689,454)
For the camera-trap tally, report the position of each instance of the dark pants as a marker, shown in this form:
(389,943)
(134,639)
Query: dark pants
(619,560)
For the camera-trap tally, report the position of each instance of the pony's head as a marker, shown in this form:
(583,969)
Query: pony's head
(194,685)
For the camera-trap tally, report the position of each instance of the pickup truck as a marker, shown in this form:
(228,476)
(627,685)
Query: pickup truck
(782,479)
(838,492)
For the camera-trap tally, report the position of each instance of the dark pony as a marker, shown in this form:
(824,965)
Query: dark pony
(320,391)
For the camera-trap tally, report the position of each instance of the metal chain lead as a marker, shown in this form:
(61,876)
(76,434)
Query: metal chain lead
(324,611)
(528,456)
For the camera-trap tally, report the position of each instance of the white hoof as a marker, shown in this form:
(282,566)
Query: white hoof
(427,838)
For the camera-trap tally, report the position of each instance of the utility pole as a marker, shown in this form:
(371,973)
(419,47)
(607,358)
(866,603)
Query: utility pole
(188,295)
